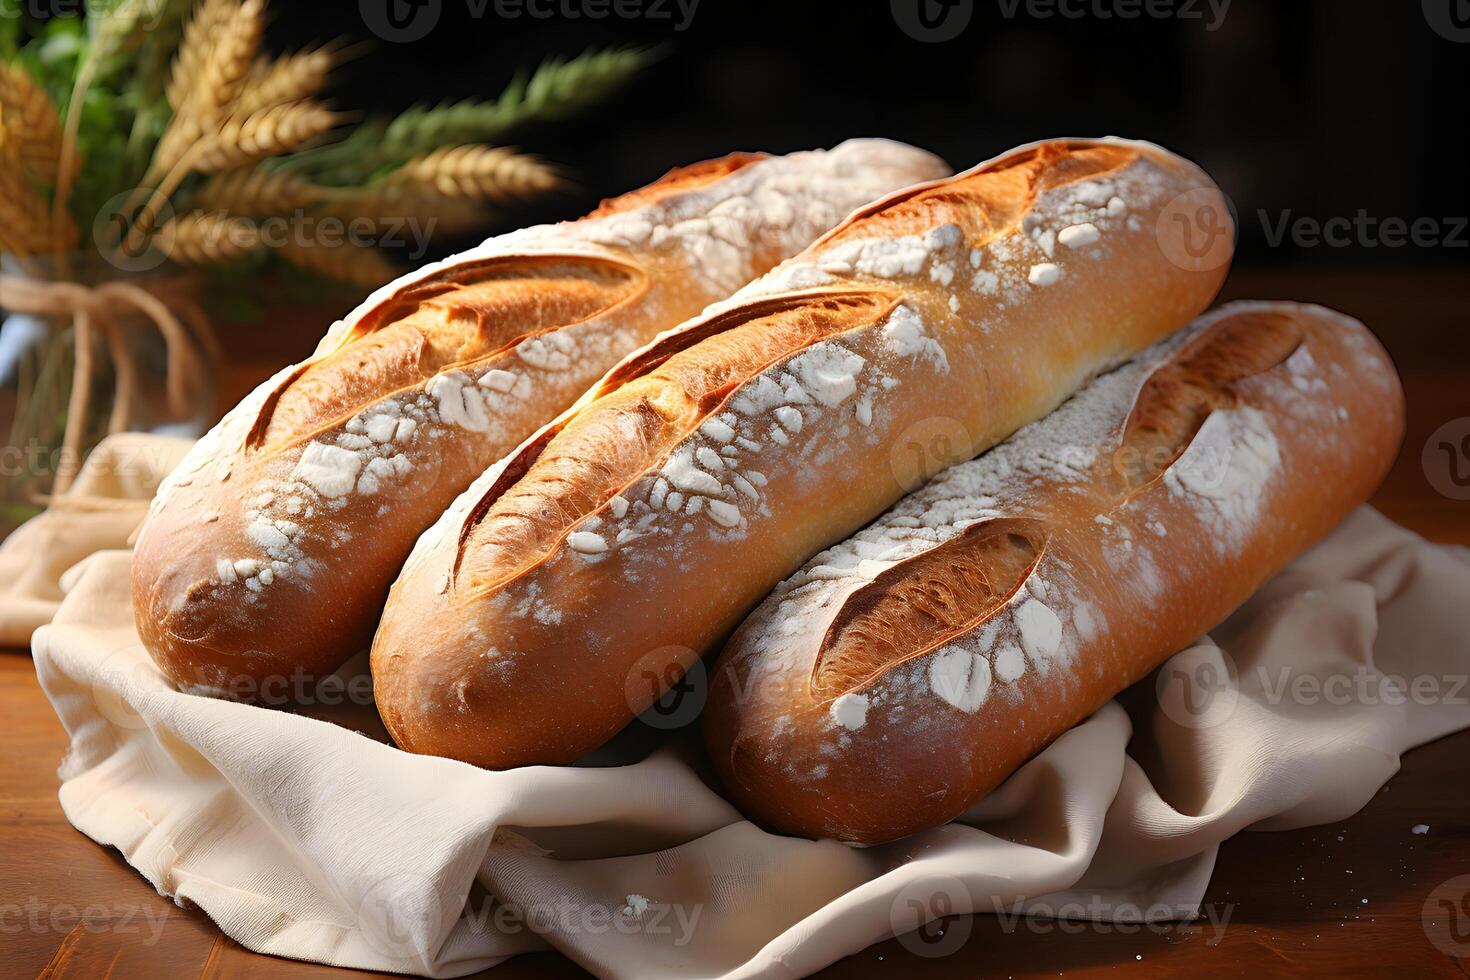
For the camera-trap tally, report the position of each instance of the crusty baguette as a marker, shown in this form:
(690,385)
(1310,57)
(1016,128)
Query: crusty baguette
(634,533)
(904,673)
(268,554)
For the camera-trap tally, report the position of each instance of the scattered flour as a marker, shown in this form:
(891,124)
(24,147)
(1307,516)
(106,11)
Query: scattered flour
(1226,468)
(850,711)
(328,470)
(1044,274)
(1041,631)
(1079,236)
(960,677)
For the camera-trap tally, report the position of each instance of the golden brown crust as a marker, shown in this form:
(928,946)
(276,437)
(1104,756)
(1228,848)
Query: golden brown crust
(469,314)
(270,552)
(617,437)
(1086,580)
(678,180)
(707,467)
(1177,398)
(922,604)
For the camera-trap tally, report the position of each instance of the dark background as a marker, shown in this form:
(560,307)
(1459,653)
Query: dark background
(1324,108)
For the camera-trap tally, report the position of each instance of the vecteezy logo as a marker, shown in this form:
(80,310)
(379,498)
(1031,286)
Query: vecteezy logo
(1446,459)
(926,447)
(41,9)
(125,226)
(932,20)
(401,916)
(929,916)
(400,21)
(124,684)
(1196,230)
(1446,917)
(1198,688)
(662,692)
(1449,18)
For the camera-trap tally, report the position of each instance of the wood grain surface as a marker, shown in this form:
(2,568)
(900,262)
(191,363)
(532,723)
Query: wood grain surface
(1367,896)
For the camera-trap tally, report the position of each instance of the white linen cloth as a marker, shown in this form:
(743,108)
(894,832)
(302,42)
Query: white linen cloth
(101,509)
(305,838)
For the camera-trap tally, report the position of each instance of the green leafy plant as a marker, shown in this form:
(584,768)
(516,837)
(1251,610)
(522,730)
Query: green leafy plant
(164,118)
(153,130)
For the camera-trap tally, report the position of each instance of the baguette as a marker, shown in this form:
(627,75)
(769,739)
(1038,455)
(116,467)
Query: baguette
(576,581)
(904,673)
(268,554)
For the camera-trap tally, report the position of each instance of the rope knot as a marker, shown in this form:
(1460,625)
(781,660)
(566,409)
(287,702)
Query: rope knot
(101,308)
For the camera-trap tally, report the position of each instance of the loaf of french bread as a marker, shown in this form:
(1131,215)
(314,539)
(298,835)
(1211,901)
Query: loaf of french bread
(269,552)
(904,673)
(575,581)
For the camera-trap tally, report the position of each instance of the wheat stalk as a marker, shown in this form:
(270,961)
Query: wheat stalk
(31,122)
(11,138)
(478,172)
(222,76)
(289,78)
(202,237)
(178,137)
(362,265)
(27,221)
(238,142)
(255,193)
(555,90)
(209,75)
(23,216)
(245,139)
(208,21)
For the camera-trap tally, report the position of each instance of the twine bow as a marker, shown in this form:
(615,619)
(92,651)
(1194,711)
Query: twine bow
(100,309)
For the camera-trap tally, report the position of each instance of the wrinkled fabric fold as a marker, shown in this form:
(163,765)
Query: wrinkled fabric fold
(100,510)
(303,838)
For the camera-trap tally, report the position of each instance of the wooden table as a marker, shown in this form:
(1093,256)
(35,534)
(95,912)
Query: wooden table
(1290,902)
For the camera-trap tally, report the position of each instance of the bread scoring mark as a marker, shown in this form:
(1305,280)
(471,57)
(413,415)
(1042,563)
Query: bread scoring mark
(988,191)
(452,320)
(1023,208)
(1175,402)
(632,433)
(796,416)
(380,448)
(923,602)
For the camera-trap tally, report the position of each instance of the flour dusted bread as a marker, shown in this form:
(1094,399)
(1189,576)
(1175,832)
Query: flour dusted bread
(269,552)
(904,673)
(577,579)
